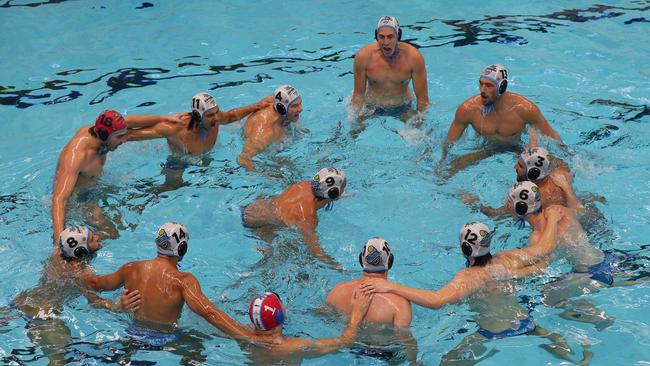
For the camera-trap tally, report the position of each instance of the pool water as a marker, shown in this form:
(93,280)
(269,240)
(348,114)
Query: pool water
(63,62)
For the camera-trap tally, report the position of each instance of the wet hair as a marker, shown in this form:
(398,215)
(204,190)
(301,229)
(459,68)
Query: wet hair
(482,260)
(92,132)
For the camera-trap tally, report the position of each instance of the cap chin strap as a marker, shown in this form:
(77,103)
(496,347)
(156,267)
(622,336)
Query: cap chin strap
(487,109)
(330,205)
(203,132)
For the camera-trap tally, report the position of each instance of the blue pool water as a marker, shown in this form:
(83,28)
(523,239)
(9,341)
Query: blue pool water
(63,62)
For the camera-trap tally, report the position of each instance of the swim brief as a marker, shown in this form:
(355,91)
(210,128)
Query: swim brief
(150,337)
(605,270)
(174,164)
(526,325)
(394,111)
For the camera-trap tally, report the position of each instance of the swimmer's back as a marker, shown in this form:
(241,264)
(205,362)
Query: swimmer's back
(161,288)
(296,204)
(384,308)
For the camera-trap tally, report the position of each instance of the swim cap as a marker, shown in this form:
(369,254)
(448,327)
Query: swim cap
(524,198)
(110,123)
(329,183)
(172,240)
(498,75)
(475,239)
(266,311)
(74,242)
(536,162)
(284,97)
(389,22)
(376,256)
(202,103)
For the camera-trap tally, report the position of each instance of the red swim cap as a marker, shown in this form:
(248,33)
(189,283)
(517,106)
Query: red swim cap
(109,123)
(266,311)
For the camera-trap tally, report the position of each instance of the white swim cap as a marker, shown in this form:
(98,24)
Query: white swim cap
(475,238)
(201,104)
(389,22)
(329,183)
(172,240)
(376,256)
(74,242)
(498,75)
(536,162)
(524,198)
(284,97)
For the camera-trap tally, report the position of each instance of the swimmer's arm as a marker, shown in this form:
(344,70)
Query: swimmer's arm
(359,91)
(540,248)
(237,114)
(160,130)
(128,302)
(420,87)
(457,289)
(139,120)
(308,232)
(563,180)
(66,180)
(532,137)
(534,116)
(321,346)
(456,129)
(252,147)
(200,304)
(108,282)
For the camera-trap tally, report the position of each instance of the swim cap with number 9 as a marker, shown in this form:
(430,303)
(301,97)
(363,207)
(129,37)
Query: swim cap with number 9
(329,183)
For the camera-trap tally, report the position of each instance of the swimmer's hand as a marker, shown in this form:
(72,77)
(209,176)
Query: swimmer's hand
(264,102)
(375,285)
(360,304)
(468,198)
(553,213)
(175,118)
(129,302)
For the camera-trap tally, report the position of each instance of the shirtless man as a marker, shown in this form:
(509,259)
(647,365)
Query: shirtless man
(164,291)
(59,284)
(385,68)
(592,269)
(497,115)
(298,206)
(376,260)
(486,281)
(81,162)
(551,175)
(268,125)
(267,315)
(195,134)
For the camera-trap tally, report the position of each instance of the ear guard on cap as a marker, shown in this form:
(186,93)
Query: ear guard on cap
(329,183)
(285,95)
(74,242)
(536,162)
(475,239)
(389,22)
(172,239)
(376,256)
(498,75)
(525,198)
